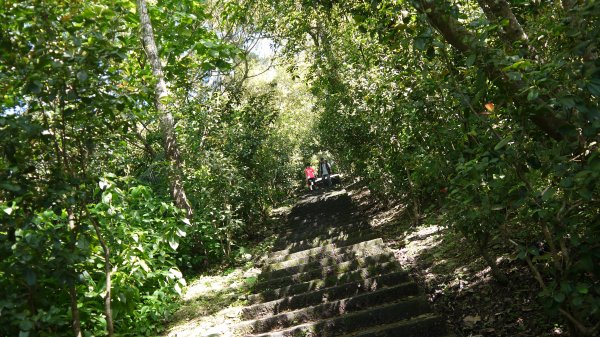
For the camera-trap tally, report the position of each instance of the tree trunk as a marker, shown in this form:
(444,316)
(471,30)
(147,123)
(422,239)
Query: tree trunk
(72,290)
(167,122)
(568,4)
(75,312)
(498,10)
(543,116)
(107,270)
(415,200)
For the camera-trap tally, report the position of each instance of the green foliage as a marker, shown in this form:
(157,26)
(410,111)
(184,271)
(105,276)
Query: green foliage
(76,92)
(445,104)
(442,103)
(144,235)
(49,253)
(248,162)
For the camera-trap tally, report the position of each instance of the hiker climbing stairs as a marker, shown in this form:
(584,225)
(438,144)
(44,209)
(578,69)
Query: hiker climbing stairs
(330,275)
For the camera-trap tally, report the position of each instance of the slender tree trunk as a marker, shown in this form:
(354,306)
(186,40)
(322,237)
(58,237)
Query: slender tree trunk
(568,4)
(167,121)
(72,289)
(75,312)
(415,200)
(107,272)
(498,10)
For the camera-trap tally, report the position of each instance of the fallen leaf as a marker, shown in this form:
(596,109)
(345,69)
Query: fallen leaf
(470,321)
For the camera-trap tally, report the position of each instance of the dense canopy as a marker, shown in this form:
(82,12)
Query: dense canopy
(142,140)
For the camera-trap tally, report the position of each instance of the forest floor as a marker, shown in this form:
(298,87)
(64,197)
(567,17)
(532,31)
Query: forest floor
(455,279)
(214,299)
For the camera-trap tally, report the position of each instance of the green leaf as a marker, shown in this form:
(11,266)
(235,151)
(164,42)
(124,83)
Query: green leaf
(250,281)
(594,164)
(533,94)
(585,193)
(208,44)
(548,193)
(34,87)
(82,76)
(420,43)
(502,143)
(10,187)
(582,288)
(471,60)
(559,297)
(566,182)
(174,242)
(26,325)
(567,102)
(107,197)
(594,88)
(175,273)
(30,277)
(144,265)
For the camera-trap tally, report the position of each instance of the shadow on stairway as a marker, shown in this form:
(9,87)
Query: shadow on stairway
(330,275)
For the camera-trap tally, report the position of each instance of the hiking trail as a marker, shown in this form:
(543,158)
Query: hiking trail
(329,274)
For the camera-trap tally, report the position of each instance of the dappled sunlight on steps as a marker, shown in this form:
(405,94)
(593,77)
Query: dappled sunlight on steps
(330,275)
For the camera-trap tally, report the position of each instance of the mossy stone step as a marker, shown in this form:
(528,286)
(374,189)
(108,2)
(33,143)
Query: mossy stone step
(348,264)
(383,280)
(360,237)
(369,319)
(409,307)
(319,242)
(301,232)
(332,202)
(327,250)
(331,275)
(328,260)
(426,325)
(313,298)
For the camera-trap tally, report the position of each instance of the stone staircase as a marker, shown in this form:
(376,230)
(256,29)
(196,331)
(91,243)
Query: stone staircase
(330,275)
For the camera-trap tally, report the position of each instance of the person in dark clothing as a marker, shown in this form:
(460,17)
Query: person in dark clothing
(325,172)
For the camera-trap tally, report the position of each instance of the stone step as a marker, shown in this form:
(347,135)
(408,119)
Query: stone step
(420,324)
(327,250)
(329,203)
(323,232)
(426,325)
(322,241)
(350,263)
(345,241)
(410,306)
(301,232)
(325,261)
(387,279)
(331,275)
(346,290)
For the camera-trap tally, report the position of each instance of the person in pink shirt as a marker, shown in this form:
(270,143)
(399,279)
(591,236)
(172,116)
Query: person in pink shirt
(310,177)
